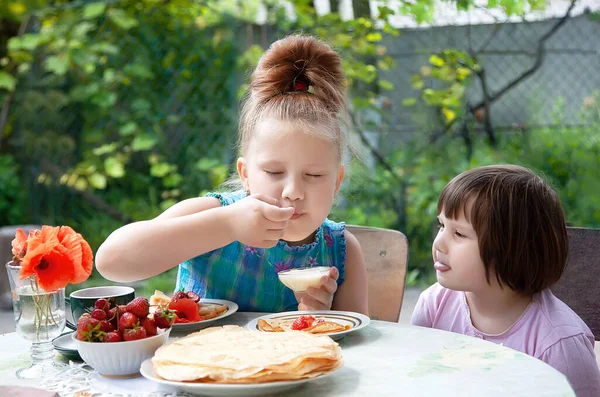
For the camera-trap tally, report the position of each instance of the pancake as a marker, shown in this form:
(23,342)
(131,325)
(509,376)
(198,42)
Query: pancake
(231,354)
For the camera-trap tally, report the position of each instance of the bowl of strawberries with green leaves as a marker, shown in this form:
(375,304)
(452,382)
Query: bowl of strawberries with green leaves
(115,340)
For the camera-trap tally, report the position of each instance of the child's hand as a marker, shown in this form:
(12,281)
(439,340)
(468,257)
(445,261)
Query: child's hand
(319,298)
(259,221)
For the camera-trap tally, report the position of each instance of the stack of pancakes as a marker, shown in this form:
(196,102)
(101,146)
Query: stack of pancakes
(231,354)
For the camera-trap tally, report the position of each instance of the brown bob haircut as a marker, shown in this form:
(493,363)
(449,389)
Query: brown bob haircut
(519,223)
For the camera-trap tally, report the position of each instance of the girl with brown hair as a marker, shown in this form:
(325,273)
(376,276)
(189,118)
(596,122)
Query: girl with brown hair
(501,245)
(232,245)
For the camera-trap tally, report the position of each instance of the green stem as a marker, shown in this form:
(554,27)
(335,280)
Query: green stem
(37,320)
(43,310)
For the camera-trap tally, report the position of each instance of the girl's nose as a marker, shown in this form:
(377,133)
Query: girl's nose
(293,190)
(439,244)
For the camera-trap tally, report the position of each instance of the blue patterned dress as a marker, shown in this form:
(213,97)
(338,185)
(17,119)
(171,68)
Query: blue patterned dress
(248,275)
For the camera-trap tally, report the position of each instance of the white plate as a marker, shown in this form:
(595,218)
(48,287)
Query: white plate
(232,307)
(223,390)
(355,320)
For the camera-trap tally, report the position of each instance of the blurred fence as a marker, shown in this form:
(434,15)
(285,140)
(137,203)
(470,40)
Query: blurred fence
(552,94)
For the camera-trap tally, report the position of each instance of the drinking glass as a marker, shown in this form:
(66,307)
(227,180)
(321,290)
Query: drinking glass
(39,317)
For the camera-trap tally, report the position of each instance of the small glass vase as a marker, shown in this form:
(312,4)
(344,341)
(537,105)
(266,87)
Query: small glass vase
(39,318)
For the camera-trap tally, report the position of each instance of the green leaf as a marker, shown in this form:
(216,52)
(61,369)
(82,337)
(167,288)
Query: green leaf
(373,37)
(128,129)
(139,70)
(93,10)
(143,142)
(121,19)
(114,168)
(27,42)
(105,48)
(408,102)
(105,149)
(159,170)
(206,164)
(97,180)
(57,64)
(449,115)
(7,81)
(436,61)
(386,85)
(218,174)
(172,180)
(416,82)
(165,205)
(430,96)
(141,105)
(104,99)
(80,31)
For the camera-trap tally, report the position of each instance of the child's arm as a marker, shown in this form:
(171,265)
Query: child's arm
(575,358)
(421,315)
(352,295)
(188,229)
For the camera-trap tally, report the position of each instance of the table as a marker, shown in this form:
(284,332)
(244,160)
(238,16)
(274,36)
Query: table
(383,359)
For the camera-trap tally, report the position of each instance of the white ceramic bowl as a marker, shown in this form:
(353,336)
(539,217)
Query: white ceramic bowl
(120,359)
(300,279)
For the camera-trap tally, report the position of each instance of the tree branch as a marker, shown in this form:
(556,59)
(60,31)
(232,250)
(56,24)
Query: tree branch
(7,103)
(373,150)
(397,204)
(540,53)
(93,199)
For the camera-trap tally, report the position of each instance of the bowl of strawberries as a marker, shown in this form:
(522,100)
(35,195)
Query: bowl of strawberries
(115,340)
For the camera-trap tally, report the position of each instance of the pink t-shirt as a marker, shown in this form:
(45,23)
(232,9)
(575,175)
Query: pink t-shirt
(548,330)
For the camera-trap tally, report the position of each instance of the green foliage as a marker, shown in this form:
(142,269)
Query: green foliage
(13,198)
(569,158)
(453,69)
(127,107)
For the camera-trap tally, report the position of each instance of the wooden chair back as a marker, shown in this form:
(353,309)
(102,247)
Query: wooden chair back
(579,286)
(386,255)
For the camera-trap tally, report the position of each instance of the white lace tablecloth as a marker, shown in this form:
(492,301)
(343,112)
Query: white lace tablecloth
(383,359)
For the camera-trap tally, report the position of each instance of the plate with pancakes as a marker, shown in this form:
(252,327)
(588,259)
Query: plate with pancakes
(335,324)
(209,310)
(233,361)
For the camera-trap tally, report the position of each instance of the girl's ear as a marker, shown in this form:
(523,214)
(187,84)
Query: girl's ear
(243,172)
(340,178)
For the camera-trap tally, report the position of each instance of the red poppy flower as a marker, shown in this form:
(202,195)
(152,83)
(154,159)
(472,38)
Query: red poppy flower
(57,256)
(19,244)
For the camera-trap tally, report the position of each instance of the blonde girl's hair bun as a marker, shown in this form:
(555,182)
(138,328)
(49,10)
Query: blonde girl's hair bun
(300,65)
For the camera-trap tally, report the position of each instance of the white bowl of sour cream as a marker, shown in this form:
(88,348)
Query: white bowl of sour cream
(298,280)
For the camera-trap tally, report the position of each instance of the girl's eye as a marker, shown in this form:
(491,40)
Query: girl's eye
(314,175)
(459,234)
(273,172)
(440,225)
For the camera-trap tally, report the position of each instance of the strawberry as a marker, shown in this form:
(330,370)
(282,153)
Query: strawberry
(193,296)
(178,295)
(128,321)
(88,329)
(186,308)
(302,322)
(163,317)
(139,306)
(112,336)
(99,314)
(83,317)
(106,326)
(134,333)
(150,326)
(102,304)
